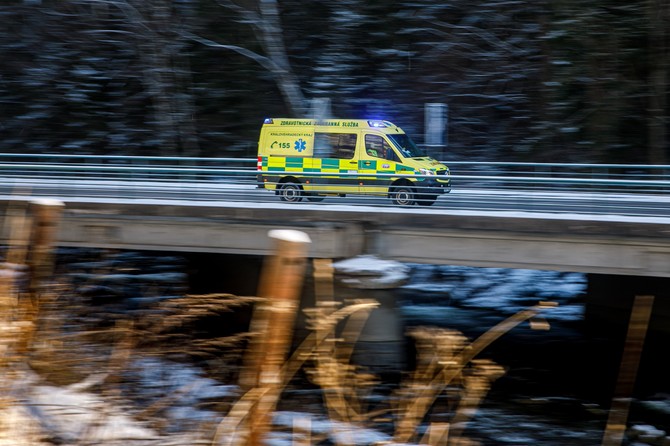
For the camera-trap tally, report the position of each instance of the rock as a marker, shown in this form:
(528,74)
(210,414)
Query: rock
(370,272)
(646,433)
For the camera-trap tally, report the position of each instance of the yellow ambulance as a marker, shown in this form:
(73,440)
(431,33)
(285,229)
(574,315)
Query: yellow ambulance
(312,159)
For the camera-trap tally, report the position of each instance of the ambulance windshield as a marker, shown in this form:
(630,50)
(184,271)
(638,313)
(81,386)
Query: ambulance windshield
(406,146)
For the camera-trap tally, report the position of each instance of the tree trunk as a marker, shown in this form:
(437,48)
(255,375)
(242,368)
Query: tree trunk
(166,76)
(272,40)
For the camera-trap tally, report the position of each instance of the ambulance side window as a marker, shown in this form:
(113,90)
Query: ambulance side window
(376,146)
(334,145)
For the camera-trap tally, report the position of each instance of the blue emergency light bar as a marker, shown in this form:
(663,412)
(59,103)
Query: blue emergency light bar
(378,124)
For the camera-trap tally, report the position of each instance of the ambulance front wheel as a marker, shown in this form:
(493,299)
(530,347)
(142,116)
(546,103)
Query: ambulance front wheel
(290,192)
(403,196)
(426,200)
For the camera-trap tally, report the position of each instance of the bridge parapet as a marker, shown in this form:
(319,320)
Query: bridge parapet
(590,244)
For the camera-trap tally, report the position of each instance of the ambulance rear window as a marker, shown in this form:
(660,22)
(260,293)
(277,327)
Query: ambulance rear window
(334,145)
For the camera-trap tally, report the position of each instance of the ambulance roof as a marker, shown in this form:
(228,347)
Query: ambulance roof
(334,123)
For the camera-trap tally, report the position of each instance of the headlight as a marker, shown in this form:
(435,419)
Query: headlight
(426,172)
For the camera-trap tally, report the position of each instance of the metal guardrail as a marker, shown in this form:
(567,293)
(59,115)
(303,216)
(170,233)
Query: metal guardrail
(631,177)
(212,178)
(625,178)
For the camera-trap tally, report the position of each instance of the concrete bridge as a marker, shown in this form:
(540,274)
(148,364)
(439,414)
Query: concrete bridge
(623,257)
(636,246)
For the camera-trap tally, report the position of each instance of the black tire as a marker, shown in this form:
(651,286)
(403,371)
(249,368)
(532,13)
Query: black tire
(290,192)
(426,200)
(403,196)
(315,198)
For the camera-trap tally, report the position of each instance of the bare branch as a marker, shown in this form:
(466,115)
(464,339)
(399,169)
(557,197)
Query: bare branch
(261,60)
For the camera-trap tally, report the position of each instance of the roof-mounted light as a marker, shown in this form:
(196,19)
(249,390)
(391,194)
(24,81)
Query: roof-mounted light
(268,121)
(378,124)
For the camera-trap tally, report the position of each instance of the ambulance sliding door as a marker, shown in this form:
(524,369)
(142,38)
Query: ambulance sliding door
(336,154)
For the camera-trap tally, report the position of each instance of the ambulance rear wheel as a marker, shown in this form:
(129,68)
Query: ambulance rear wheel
(290,192)
(426,200)
(403,196)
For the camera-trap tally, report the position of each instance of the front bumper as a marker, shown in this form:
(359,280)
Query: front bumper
(433,186)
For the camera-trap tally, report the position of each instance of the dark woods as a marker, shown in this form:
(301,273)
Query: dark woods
(561,81)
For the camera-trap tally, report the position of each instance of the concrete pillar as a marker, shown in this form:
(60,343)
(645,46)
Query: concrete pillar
(381,344)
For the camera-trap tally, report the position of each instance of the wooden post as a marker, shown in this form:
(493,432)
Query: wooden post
(18,226)
(637,331)
(32,241)
(272,326)
(45,219)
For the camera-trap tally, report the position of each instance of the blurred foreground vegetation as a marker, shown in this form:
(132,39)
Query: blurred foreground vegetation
(80,363)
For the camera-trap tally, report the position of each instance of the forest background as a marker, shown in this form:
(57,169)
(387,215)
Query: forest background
(579,81)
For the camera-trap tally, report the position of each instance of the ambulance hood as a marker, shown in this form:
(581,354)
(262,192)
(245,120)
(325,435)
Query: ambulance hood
(425,162)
